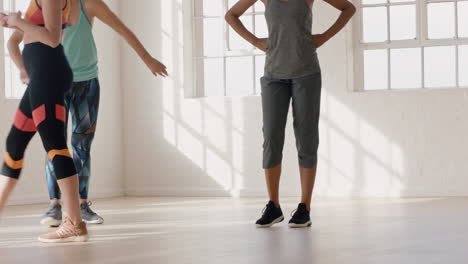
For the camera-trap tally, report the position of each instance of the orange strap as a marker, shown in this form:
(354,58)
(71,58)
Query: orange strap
(60,152)
(13,164)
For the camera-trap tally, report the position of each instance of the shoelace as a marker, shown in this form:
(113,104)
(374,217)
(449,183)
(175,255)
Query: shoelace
(293,212)
(88,208)
(66,228)
(265,209)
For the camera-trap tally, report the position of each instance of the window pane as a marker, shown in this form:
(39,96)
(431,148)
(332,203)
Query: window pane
(233,2)
(259,72)
(463,61)
(259,6)
(209,37)
(208,8)
(239,76)
(213,76)
(236,42)
(261,29)
(401,1)
(463,19)
(402,22)
(22,5)
(439,67)
(371,2)
(441,20)
(405,68)
(375,24)
(375,70)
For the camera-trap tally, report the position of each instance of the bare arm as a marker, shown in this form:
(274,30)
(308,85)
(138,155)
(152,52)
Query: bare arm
(347,11)
(51,33)
(14,50)
(105,14)
(15,54)
(232,18)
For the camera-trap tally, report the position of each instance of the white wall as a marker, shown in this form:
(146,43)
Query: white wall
(107,166)
(372,144)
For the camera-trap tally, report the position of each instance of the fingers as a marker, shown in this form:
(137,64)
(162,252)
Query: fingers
(25,81)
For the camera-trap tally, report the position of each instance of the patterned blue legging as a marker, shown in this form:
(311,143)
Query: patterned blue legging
(82,101)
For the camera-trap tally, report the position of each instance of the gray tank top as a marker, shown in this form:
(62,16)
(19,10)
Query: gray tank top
(291,52)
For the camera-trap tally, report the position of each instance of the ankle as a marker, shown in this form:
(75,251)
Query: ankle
(276,203)
(307,206)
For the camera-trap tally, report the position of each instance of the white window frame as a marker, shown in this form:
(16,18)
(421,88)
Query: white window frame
(194,76)
(421,41)
(15,93)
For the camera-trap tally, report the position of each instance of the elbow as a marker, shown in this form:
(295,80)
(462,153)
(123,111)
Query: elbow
(54,42)
(229,17)
(351,9)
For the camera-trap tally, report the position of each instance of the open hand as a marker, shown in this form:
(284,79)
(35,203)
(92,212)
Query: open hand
(156,67)
(261,44)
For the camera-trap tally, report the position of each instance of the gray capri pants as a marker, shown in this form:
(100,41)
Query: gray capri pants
(276,96)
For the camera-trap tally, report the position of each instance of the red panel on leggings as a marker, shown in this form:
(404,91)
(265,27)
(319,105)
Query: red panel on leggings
(23,123)
(39,115)
(60,112)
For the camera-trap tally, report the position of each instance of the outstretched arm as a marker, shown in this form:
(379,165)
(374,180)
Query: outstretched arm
(232,18)
(347,12)
(105,14)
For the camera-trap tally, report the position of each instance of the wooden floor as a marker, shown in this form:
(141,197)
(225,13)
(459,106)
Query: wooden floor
(221,231)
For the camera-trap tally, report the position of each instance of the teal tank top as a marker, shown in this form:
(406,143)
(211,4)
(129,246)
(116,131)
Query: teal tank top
(80,48)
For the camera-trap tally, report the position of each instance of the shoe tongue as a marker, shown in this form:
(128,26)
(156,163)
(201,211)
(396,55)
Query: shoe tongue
(302,206)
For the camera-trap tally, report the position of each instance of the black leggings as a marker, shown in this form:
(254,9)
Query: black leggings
(41,110)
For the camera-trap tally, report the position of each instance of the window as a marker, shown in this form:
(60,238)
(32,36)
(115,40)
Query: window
(224,63)
(14,88)
(411,44)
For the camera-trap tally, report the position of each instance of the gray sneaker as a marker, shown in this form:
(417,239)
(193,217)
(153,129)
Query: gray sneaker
(88,215)
(53,217)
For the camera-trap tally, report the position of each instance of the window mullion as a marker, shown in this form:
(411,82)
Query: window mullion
(422,19)
(457,66)
(423,35)
(456,19)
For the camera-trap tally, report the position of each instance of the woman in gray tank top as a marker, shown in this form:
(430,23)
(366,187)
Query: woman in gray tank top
(292,73)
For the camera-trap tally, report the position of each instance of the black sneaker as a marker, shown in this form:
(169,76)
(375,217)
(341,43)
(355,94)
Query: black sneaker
(271,215)
(88,215)
(53,217)
(301,217)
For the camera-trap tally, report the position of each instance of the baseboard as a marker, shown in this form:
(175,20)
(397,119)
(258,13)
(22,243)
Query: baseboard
(261,192)
(44,198)
(180,192)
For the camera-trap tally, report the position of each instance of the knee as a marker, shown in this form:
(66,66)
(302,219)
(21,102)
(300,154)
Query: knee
(11,168)
(62,162)
(82,141)
(15,145)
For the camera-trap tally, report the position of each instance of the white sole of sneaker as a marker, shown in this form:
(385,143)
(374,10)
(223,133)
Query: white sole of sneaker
(277,220)
(65,240)
(49,221)
(308,224)
(94,222)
